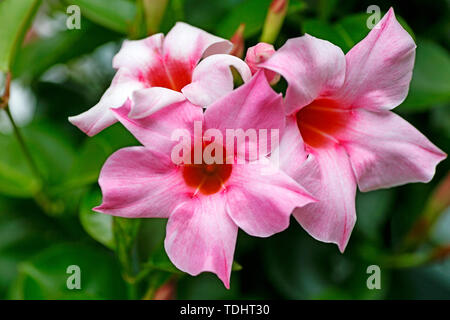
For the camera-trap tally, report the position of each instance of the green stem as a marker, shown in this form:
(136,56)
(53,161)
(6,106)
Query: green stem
(24,147)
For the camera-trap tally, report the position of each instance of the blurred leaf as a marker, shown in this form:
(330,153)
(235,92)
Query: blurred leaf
(15,18)
(372,209)
(315,270)
(44,276)
(116,15)
(22,232)
(49,149)
(430,84)
(16,178)
(98,225)
(250,12)
(206,286)
(38,56)
(326,8)
(160,261)
(93,154)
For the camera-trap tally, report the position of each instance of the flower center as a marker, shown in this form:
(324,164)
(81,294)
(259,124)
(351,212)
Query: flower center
(207,178)
(319,121)
(170,74)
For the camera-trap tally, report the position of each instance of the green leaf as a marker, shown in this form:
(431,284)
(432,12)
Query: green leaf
(159,260)
(98,225)
(93,154)
(430,84)
(15,17)
(16,178)
(45,275)
(116,15)
(37,57)
(21,235)
(251,12)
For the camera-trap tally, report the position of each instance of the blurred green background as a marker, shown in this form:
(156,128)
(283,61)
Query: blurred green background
(44,228)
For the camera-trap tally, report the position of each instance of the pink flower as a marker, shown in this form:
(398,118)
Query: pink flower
(164,70)
(339,106)
(205,203)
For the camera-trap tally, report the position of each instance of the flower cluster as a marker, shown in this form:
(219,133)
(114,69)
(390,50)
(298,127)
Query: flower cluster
(302,155)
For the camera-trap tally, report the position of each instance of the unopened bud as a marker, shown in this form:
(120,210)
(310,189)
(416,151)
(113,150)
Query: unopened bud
(238,42)
(274,20)
(259,54)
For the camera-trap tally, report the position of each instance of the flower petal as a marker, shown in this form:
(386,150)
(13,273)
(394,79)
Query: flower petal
(385,150)
(148,101)
(312,67)
(328,176)
(201,237)
(261,198)
(248,109)
(379,68)
(155,131)
(139,55)
(252,105)
(99,116)
(187,43)
(291,152)
(212,78)
(137,182)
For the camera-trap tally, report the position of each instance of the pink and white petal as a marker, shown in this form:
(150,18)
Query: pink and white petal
(187,43)
(139,55)
(201,237)
(149,100)
(291,153)
(261,198)
(212,79)
(386,151)
(379,68)
(155,131)
(137,182)
(312,68)
(254,105)
(99,116)
(329,177)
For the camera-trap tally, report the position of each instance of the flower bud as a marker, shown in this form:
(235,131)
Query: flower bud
(274,20)
(259,54)
(238,42)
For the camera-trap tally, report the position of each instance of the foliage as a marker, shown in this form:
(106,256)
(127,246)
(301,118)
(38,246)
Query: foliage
(46,223)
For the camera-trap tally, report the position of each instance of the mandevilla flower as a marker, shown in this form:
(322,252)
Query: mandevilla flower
(162,71)
(205,203)
(339,106)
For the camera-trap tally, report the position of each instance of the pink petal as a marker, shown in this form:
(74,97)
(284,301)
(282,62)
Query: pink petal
(312,67)
(137,182)
(139,55)
(148,101)
(155,131)
(379,68)
(201,237)
(99,116)
(253,106)
(329,177)
(385,150)
(212,78)
(261,198)
(291,150)
(188,43)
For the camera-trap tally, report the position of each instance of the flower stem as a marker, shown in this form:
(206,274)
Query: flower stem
(24,147)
